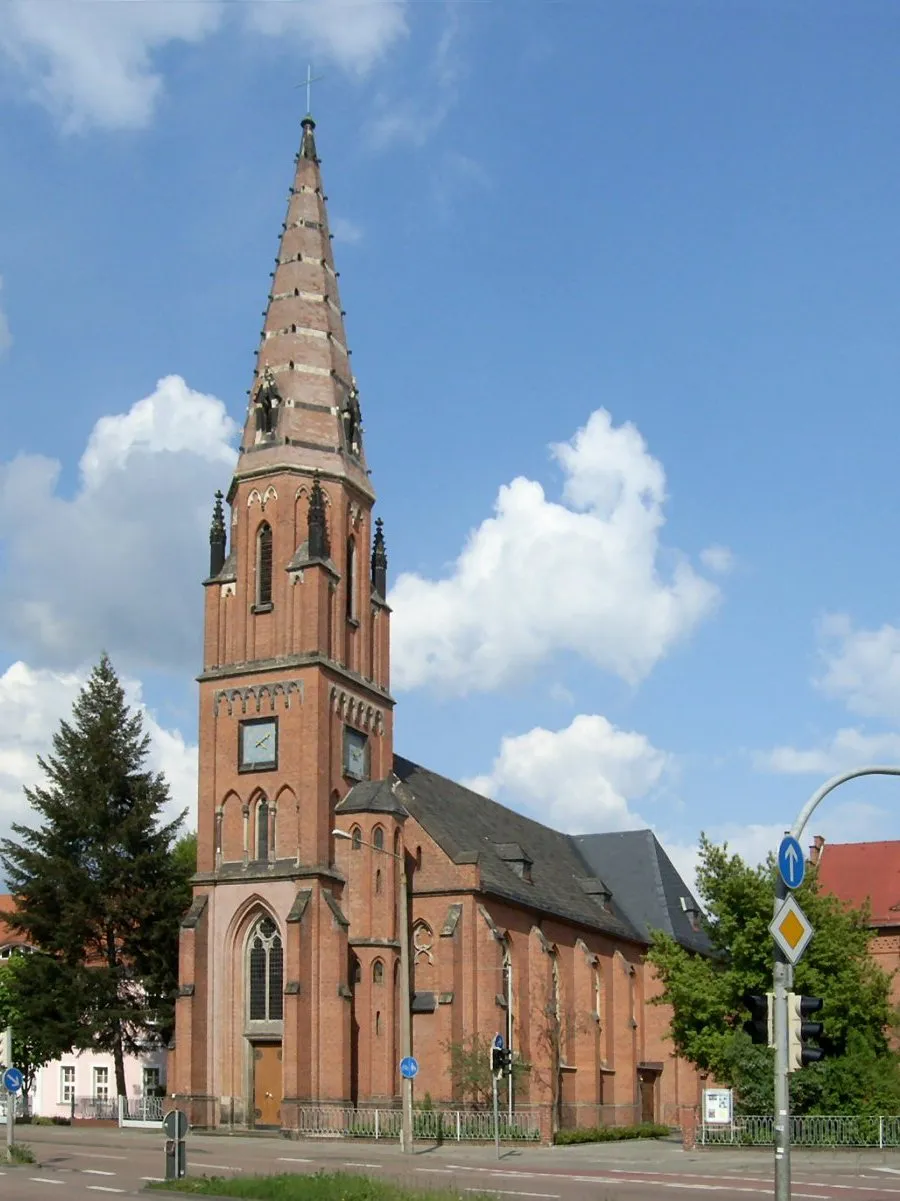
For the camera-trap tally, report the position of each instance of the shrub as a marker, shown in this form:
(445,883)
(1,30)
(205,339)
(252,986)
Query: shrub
(610,1134)
(20,1153)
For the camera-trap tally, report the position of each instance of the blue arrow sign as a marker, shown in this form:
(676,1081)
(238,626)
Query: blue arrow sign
(498,1042)
(791,863)
(12,1080)
(409,1067)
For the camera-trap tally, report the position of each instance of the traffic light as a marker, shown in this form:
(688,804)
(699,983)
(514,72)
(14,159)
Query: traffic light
(761,1026)
(799,1030)
(501,1061)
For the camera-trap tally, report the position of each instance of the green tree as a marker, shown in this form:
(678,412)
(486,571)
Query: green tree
(860,1073)
(97,886)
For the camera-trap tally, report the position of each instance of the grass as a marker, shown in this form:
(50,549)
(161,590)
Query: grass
(610,1134)
(20,1153)
(335,1186)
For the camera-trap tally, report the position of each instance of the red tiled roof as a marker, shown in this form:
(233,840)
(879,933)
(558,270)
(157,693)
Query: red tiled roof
(860,871)
(8,937)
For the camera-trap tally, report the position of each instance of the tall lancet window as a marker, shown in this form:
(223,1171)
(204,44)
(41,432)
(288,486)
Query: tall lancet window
(262,828)
(265,970)
(351,579)
(264,565)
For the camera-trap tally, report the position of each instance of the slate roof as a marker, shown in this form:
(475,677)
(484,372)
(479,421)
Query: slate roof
(371,796)
(645,883)
(864,871)
(469,826)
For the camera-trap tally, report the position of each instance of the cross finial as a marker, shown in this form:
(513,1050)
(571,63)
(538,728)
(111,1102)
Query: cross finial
(307,83)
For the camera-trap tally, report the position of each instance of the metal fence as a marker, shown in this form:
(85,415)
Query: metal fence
(141,1111)
(437,1125)
(811,1130)
(98,1109)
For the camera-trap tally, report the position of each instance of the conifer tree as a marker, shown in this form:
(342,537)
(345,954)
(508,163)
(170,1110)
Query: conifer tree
(97,887)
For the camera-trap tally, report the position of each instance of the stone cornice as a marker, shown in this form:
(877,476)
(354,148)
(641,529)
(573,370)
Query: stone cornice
(282,662)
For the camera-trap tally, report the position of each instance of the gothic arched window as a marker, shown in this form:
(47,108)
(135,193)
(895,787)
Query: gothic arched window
(356,838)
(265,969)
(351,579)
(264,565)
(262,828)
(378,839)
(378,972)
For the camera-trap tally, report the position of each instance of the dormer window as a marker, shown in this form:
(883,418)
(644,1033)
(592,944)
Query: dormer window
(692,912)
(515,858)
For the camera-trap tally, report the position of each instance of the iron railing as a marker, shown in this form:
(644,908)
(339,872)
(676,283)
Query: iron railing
(810,1130)
(143,1110)
(438,1125)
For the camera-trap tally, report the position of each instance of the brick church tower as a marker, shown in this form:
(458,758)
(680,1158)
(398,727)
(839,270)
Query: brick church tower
(294,709)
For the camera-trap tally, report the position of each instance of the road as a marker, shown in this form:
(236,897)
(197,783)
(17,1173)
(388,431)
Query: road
(90,1162)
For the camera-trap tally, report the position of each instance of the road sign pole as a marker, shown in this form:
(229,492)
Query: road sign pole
(496,1115)
(781,980)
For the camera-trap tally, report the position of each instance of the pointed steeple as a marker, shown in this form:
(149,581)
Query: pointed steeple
(304,410)
(318,530)
(217,538)
(379,561)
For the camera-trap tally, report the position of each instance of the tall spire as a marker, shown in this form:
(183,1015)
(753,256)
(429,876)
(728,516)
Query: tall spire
(304,409)
(217,538)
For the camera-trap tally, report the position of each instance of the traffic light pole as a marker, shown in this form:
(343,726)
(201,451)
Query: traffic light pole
(782,978)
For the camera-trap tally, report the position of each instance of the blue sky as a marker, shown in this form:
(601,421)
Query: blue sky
(670,227)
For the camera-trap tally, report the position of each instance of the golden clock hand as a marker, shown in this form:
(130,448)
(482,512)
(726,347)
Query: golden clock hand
(265,738)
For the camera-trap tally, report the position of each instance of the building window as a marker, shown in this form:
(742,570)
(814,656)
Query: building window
(67,1084)
(378,839)
(264,566)
(150,1081)
(378,972)
(378,882)
(378,1022)
(356,754)
(356,839)
(262,829)
(351,579)
(101,1084)
(266,973)
(356,971)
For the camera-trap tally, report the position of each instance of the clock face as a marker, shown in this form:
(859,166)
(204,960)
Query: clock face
(258,745)
(355,764)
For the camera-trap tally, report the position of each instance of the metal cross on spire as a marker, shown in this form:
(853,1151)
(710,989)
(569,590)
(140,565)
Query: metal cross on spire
(307,83)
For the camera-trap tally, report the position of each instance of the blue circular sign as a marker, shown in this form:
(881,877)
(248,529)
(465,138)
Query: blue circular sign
(791,864)
(409,1067)
(498,1042)
(12,1080)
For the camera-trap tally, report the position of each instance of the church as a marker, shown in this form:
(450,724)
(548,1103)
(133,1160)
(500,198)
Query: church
(292,956)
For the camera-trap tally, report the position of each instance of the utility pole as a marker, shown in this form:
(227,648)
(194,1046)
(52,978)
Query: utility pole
(405,1006)
(783,980)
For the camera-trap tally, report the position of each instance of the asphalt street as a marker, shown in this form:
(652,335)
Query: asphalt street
(89,1161)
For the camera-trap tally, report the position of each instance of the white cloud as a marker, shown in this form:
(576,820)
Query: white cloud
(92,64)
(580,779)
(33,701)
(119,564)
(718,559)
(96,64)
(345,230)
(847,748)
(862,667)
(5,334)
(541,577)
(352,34)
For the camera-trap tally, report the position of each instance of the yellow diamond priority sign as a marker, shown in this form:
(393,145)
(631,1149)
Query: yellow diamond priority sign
(791,930)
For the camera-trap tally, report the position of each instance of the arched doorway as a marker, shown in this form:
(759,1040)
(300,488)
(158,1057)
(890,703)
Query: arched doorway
(264,1019)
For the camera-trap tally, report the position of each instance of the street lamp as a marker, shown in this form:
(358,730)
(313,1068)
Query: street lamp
(405,994)
(783,982)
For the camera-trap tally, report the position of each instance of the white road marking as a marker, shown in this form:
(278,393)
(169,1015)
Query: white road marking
(349,1163)
(509,1193)
(96,1172)
(152,1178)
(94,1155)
(102,1188)
(222,1167)
(44,1180)
(448,1170)
(288,1159)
